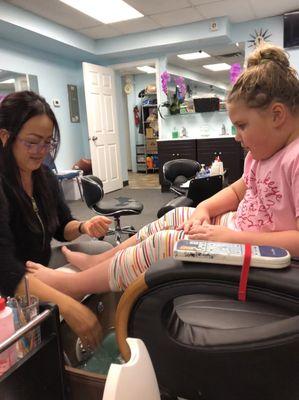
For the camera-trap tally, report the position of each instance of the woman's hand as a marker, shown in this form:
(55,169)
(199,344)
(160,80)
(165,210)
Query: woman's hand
(83,322)
(96,226)
(213,233)
(199,217)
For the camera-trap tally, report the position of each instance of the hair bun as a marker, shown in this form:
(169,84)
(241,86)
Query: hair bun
(267,52)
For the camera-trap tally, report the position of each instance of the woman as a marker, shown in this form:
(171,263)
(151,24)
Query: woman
(32,209)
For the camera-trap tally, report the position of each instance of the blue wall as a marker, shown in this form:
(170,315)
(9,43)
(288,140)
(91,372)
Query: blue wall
(53,73)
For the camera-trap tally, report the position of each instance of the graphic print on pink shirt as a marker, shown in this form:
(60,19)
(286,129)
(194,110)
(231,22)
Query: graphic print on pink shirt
(256,210)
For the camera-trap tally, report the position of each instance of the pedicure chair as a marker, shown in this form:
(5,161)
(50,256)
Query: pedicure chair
(203,342)
(206,344)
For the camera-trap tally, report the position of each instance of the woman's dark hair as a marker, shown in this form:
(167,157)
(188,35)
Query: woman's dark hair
(15,110)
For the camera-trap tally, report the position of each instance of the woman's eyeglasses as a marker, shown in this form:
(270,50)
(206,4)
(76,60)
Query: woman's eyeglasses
(36,147)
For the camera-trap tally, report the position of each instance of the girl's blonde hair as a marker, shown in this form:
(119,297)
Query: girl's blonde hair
(268,77)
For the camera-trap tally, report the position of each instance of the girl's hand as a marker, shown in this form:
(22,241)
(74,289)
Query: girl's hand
(202,217)
(96,226)
(213,233)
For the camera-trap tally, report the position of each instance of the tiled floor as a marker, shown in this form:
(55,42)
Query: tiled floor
(138,180)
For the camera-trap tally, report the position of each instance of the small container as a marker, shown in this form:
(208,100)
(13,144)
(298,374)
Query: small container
(7,328)
(234,130)
(183,132)
(29,311)
(223,130)
(175,133)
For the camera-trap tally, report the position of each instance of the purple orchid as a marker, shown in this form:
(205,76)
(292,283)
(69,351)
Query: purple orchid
(180,83)
(235,71)
(165,78)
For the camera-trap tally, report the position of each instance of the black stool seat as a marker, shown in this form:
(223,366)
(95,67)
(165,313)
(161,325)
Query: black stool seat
(93,194)
(118,206)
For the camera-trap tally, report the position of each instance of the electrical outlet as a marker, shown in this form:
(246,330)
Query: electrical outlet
(213,26)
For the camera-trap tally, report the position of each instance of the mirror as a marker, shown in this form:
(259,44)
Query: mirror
(193,117)
(194,69)
(13,81)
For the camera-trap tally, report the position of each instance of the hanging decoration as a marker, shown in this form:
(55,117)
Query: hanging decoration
(235,71)
(259,37)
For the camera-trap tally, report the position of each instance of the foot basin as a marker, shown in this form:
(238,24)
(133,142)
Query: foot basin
(86,374)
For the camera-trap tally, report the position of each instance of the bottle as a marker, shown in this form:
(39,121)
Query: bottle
(183,132)
(219,164)
(8,357)
(202,171)
(175,133)
(223,130)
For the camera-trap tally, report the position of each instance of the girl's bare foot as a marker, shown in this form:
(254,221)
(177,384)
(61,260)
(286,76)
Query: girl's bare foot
(80,260)
(45,274)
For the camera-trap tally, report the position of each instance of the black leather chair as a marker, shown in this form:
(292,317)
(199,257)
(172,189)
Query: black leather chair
(176,172)
(93,194)
(207,345)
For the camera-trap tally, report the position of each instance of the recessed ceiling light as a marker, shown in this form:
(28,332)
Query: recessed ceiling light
(106,11)
(194,56)
(147,69)
(217,67)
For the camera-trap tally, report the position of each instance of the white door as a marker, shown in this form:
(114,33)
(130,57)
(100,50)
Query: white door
(103,136)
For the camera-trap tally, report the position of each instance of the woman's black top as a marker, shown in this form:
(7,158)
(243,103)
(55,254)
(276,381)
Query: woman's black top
(18,243)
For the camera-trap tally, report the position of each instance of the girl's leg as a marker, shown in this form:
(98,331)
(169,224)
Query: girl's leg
(84,261)
(115,273)
(170,220)
(128,264)
(77,285)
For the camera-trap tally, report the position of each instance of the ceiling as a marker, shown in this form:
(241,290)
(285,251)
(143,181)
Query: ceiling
(157,14)
(165,13)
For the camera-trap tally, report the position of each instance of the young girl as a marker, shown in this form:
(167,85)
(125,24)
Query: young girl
(260,208)
(32,208)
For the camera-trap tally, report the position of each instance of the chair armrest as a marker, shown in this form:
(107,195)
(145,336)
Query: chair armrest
(181,201)
(282,283)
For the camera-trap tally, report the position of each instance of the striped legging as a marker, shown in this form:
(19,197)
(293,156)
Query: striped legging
(155,241)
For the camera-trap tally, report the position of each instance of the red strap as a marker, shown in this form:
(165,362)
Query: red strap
(244,273)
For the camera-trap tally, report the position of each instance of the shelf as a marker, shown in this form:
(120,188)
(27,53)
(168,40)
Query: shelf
(180,115)
(191,113)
